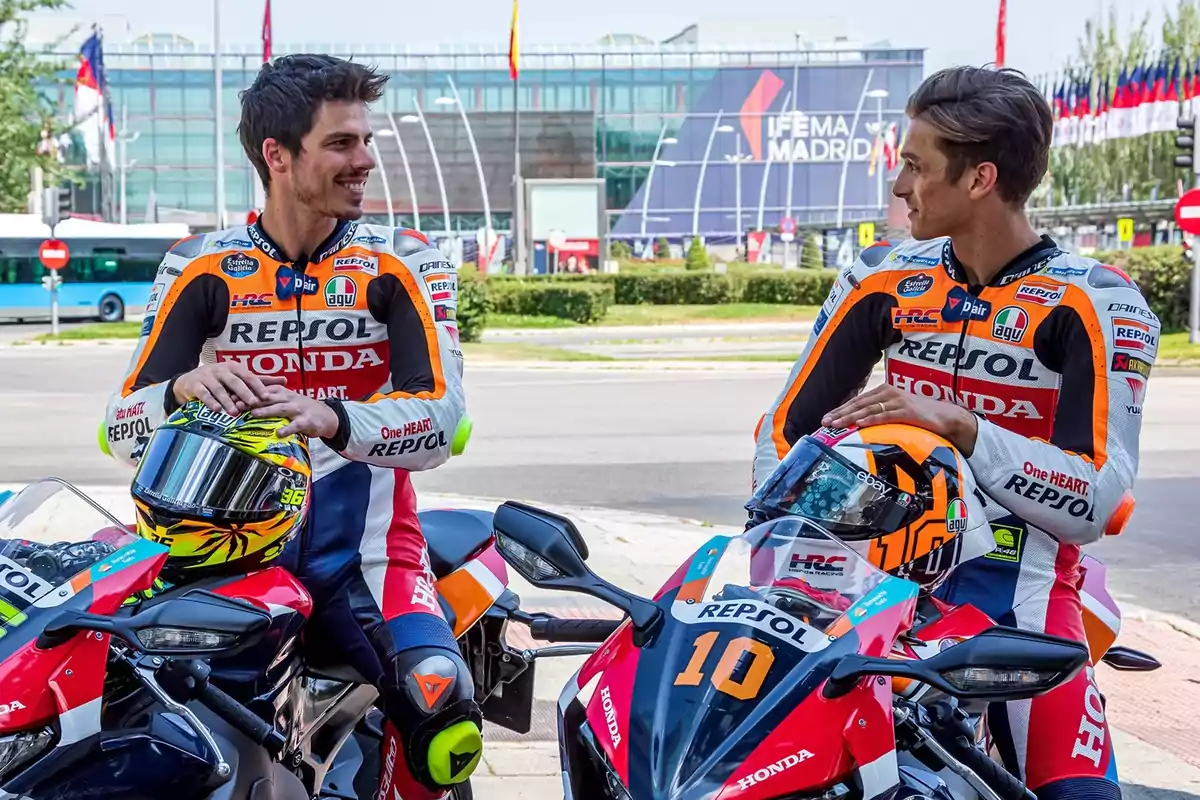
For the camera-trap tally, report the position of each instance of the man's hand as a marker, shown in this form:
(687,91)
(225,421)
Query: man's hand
(886,404)
(308,416)
(227,386)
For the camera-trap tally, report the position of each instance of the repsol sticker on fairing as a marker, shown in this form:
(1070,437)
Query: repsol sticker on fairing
(757,615)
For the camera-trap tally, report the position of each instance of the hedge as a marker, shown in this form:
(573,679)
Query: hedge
(582,302)
(1164,275)
(472,305)
(801,288)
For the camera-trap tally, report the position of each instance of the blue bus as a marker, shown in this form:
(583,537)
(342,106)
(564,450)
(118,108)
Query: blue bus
(109,276)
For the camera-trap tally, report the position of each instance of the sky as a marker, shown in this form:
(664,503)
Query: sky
(1042,34)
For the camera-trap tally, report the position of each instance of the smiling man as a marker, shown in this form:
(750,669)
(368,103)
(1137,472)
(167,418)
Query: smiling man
(1032,361)
(348,331)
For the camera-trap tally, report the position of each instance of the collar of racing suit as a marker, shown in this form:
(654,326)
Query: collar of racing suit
(343,232)
(1028,262)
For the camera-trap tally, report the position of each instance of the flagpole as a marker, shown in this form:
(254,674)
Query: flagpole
(218,116)
(518,217)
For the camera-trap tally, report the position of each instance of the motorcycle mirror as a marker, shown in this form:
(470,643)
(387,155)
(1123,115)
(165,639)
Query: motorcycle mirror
(194,624)
(1126,658)
(548,551)
(999,664)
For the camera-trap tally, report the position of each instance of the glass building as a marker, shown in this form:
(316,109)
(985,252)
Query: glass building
(688,138)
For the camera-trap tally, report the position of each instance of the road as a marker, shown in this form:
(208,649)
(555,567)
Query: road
(674,442)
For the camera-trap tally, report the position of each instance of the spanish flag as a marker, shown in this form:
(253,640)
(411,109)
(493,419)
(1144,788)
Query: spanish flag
(514,57)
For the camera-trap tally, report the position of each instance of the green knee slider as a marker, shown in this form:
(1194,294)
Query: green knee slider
(455,753)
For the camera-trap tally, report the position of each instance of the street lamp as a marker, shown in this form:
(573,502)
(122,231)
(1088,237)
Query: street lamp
(437,166)
(737,160)
(387,189)
(412,189)
(125,140)
(704,168)
(862,96)
(654,162)
(487,206)
(878,95)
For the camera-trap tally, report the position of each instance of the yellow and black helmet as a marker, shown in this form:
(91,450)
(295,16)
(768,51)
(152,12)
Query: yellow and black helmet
(224,493)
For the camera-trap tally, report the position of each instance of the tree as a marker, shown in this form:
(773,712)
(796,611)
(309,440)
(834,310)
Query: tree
(697,256)
(662,248)
(810,254)
(24,109)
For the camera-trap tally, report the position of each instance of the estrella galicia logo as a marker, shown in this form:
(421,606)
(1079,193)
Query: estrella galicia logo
(962,305)
(239,265)
(227,243)
(371,239)
(147,325)
(290,283)
(915,285)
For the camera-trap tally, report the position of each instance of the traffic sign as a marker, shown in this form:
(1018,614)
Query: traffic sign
(1187,212)
(787,225)
(866,234)
(1125,230)
(54,254)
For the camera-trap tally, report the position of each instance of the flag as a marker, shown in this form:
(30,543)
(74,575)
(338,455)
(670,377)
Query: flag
(1195,87)
(891,153)
(1100,124)
(1083,112)
(1167,109)
(93,110)
(1060,115)
(1136,99)
(266,32)
(514,54)
(1118,118)
(1001,23)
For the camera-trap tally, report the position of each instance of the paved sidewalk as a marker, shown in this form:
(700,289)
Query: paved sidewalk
(1156,730)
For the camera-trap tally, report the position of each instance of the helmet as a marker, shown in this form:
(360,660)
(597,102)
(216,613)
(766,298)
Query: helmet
(900,496)
(224,493)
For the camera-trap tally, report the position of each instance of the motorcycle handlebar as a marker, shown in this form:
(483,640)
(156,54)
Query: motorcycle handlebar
(259,730)
(991,772)
(551,629)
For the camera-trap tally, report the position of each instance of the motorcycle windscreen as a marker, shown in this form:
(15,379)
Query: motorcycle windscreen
(34,577)
(745,640)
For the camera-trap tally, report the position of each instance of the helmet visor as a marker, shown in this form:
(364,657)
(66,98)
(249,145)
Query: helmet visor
(816,483)
(198,477)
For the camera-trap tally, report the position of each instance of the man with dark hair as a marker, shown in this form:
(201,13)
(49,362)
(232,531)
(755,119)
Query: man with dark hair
(1032,361)
(348,330)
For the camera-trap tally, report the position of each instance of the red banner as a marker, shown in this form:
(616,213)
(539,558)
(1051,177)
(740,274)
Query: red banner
(266,33)
(755,240)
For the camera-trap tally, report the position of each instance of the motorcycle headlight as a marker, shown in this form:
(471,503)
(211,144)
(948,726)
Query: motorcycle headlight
(19,749)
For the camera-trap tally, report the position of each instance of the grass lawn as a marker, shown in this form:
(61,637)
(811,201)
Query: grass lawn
(109,330)
(669,315)
(519,351)
(1174,348)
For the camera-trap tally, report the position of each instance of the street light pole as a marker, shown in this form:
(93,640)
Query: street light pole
(879,95)
(437,169)
(703,167)
(387,189)
(841,206)
(218,115)
(412,190)
(662,139)
(487,206)
(124,141)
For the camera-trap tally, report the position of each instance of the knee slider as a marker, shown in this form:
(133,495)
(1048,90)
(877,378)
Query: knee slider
(431,701)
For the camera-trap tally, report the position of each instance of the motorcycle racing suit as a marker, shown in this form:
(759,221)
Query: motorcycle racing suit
(1053,357)
(367,325)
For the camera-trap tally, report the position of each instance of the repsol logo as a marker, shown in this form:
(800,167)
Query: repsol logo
(273,330)
(129,429)
(758,615)
(415,444)
(998,365)
(1049,496)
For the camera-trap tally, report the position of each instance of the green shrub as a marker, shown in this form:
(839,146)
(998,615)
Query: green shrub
(619,251)
(796,287)
(472,305)
(662,248)
(577,300)
(691,288)
(697,256)
(1164,275)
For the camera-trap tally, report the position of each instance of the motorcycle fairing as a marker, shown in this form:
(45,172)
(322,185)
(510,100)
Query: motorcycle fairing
(669,728)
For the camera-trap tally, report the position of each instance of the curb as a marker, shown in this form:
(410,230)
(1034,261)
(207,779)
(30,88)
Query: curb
(1142,614)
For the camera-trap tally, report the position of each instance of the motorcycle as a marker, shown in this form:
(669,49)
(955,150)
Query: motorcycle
(782,664)
(116,685)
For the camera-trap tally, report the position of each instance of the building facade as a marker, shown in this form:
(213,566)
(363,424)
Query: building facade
(689,139)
